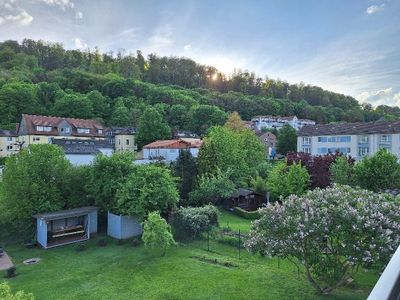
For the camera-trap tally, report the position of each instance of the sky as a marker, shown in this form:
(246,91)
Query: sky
(347,46)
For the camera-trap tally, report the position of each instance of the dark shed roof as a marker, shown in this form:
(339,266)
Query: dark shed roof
(61,214)
(241,192)
(379,127)
(82,146)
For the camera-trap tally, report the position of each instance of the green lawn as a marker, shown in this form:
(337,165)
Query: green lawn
(126,272)
(228,219)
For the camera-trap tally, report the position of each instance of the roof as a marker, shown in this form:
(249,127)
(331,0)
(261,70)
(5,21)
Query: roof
(379,127)
(261,134)
(122,130)
(241,192)
(61,214)
(8,132)
(31,121)
(175,144)
(76,146)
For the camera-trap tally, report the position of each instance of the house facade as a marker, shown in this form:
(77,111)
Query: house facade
(269,141)
(123,138)
(353,139)
(168,150)
(8,143)
(271,122)
(35,129)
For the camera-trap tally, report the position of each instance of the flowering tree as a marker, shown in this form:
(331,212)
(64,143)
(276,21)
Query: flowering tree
(329,233)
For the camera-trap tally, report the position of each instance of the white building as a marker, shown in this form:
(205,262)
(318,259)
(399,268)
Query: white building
(354,139)
(271,122)
(168,150)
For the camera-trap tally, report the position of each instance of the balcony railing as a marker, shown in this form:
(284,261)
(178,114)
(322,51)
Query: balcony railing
(388,285)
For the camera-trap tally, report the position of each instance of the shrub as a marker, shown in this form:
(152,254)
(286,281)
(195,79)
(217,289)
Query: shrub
(250,215)
(80,247)
(102,243)
(157,233)
(192,221)
(342,171)
(11,272)
(329,233)
(6,294)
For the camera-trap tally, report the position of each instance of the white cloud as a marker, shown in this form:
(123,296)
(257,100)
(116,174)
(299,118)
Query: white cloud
(161,38)
(386,96)
(187,47)
(21,19)
(79,15)
(80,44)
(375,9)
(63,4)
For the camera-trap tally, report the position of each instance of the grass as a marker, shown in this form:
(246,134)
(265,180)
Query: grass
(186,272)
(228,219)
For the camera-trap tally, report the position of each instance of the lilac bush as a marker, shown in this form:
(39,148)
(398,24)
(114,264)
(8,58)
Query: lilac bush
(329,233)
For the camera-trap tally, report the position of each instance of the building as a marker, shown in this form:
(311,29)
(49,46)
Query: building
(123,138)
(35,129)
(8,143)
(245,199)
(168,150)
(269,140)
(270,122)
(354,139)
(83,152)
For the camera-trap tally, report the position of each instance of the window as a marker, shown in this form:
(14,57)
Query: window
(36,139)
(306,149)
(322,139)
(9,139)
(307,141)
(119,141)
(362,151)
(100,131)
(43,128)
(83,130)
(9,147)
(334,139)
(385,139)
(127,142)
(65,130)
(363,139)
(325,150)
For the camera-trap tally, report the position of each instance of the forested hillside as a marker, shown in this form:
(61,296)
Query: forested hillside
(43,78)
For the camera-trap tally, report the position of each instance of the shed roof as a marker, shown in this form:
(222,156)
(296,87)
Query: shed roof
(75,146)
(61,214)
(241,192)
(379,127)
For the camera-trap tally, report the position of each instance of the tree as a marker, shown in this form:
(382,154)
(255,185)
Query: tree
(286,180)
(178,116)
(120,115)
(105,176)
(6,294)
(238,153)
(157,233)
(34,181)
(329,233)
(73,106)
(203,117)
(212,189)
(342,171)
(100,104)
(287,140)
(152,127)
(186,170)
(235,123)
(378,172)
(149,188)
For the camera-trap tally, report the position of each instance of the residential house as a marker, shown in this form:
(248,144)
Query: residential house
(8,143)
(269,140)
(123,138)
(354,139)
(83,152)
(35,129)
(168,150)
(184,134)
(270,122)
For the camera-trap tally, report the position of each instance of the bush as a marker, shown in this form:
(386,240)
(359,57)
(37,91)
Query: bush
(80,247)
(6,294)
(192,221)
(102,243)
(157,233)
(250,215)
(11,272)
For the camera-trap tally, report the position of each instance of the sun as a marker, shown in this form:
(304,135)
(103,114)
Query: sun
(214,77)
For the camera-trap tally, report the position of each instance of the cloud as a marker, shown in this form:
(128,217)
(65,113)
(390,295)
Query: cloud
(79,15)
(375,9)
(386,96)
(161,38)
(63,4)
(80,44)
(21,19)
(187,47)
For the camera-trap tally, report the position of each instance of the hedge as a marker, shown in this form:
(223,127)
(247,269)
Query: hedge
(250,215)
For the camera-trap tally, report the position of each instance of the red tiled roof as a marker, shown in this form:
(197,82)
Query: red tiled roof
(31,121)
(175,144)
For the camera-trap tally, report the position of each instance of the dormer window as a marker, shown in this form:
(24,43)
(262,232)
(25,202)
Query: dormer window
(83,130)
(43,128)
(100,131)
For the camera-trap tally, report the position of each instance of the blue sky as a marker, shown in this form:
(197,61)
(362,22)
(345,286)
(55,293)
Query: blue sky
(351,47)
